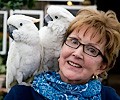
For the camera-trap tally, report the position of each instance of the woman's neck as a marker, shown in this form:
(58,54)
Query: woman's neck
(65,79)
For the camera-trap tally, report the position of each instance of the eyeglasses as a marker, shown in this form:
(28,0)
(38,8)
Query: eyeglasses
(88,49)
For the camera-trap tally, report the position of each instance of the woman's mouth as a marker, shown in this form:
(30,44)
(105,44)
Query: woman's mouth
(74,64)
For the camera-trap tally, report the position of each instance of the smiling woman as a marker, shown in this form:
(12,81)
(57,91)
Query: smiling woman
(88,54)
(90,48)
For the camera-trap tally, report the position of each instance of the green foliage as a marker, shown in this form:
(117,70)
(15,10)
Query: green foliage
(2,66)
(16,4)
(1,97)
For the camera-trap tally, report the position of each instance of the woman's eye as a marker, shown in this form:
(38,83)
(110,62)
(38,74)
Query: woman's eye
(74,41)
(91,50)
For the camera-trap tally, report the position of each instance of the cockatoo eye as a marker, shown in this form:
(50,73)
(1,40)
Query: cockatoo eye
(56,17)
(21,24)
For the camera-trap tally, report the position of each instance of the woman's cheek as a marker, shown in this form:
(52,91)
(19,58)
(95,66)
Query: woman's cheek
(65,52)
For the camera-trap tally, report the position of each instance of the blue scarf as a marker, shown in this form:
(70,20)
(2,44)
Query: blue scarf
(50,85)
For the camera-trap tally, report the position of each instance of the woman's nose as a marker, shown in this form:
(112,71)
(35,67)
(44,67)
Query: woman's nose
(78,52)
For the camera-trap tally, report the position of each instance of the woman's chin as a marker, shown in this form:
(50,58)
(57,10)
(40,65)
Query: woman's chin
(69,76)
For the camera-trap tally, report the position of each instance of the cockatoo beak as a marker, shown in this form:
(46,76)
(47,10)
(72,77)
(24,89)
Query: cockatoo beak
(47,18)
(36,20)
(11,28)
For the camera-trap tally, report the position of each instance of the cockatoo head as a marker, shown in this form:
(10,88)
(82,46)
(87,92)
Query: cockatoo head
(14,22)
(56,12)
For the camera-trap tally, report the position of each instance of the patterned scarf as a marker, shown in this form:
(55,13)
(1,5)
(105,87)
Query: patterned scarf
(50,85)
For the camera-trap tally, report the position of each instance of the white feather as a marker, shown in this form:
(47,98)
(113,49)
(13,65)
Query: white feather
(31,47)
(51,36)
(24,54)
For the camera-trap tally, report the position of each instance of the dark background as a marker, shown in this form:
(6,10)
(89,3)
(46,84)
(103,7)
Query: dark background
(114,74)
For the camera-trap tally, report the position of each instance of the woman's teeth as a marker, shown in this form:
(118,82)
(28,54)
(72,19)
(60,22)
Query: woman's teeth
(74,64)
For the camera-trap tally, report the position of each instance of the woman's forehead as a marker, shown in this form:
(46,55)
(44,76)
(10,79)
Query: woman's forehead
(90,32)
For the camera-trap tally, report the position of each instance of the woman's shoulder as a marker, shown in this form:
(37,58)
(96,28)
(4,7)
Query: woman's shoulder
(108,93)
(21,92)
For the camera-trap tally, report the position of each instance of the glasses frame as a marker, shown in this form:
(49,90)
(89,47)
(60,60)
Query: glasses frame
(99,52)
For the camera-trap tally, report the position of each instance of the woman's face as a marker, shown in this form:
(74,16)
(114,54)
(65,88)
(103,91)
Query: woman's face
(77,67)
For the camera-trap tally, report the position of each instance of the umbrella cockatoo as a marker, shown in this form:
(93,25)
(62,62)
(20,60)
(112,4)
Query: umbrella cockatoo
(25,51)
(51,36)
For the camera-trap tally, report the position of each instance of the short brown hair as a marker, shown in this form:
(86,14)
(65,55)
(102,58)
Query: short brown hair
(105,24)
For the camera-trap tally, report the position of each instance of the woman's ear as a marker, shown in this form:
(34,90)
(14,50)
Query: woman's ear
(101,69)
(58,59)
(103,66)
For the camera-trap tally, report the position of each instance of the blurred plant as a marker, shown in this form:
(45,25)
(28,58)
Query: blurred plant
(1,97)
(2,66)
(16,4)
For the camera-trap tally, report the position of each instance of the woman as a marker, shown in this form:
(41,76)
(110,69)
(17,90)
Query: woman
(90,48)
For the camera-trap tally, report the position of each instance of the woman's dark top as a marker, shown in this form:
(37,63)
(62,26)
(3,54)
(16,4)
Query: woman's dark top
(20,92)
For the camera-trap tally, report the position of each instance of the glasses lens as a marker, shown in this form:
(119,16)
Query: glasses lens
(90,50)
(72,42)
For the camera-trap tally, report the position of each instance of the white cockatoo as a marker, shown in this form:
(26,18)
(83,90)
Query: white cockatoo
(24,54)
(51,36)
(33,51)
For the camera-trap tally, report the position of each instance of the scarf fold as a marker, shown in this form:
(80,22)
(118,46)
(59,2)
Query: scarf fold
(50,85)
